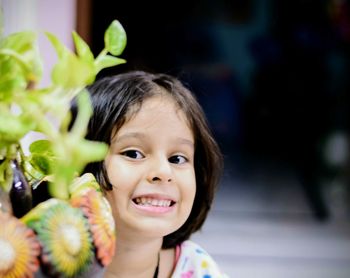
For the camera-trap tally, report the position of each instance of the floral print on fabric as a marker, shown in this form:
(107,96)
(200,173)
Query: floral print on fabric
(195,262)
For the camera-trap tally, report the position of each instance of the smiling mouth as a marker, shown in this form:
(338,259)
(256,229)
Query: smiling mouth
(151,202)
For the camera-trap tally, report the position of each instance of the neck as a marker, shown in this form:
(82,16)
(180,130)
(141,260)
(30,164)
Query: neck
(134,259)
(155,275)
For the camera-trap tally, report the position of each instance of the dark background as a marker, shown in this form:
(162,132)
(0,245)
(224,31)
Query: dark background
(272,76)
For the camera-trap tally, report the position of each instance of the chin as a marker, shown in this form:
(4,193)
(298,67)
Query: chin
(158,229)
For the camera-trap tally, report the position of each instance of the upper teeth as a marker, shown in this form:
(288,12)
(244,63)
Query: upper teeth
(152,202)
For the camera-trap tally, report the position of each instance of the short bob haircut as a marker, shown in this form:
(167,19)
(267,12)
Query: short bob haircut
(115,99)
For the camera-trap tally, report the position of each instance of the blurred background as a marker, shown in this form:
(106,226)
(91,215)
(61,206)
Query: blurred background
(273,79)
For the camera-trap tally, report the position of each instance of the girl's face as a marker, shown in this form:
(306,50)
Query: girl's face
(151,167)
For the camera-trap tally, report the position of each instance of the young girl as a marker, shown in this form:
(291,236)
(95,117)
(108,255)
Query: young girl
(159,176)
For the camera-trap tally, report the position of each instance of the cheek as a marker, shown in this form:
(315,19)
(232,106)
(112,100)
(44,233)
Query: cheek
(189,188)
(188,193)
(193,191)
(111,200)
(117,201)
(117,173)
(123,181)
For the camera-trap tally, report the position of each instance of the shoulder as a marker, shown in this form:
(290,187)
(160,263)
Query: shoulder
(194,262)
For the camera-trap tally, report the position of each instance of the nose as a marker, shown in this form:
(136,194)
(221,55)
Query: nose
(160,171)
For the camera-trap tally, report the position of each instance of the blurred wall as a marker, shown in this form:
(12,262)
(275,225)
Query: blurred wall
(57,17)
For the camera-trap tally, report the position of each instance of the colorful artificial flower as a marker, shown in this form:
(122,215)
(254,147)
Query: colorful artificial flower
(64,234)
(99,214)
(19,248)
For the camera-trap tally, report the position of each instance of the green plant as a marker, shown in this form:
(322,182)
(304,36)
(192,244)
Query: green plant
(58,230)
(25,108)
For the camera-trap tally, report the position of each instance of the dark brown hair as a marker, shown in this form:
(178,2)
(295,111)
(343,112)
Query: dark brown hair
(115,97)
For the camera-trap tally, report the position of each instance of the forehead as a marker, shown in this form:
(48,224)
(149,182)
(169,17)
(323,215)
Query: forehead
(157,110)
(161,114)
(160,102)
(158,107)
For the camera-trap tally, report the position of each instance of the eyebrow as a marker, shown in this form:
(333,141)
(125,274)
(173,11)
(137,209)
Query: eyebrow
(128,136)
(185,141)
(142,136)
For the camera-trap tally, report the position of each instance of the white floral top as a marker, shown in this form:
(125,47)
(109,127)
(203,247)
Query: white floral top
(194,262)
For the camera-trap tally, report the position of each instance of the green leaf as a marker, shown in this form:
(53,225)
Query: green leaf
(33,173)
(19,42)
(41,147)
(84,114)
(18,58)
(5,178)
(12,78)
(42,163)
(82,48)
(13,128)
(10,84)
(115,38)
(22,48)
(106,61)
(62,177)
(60,48)
(91,151)
(42,156)
(70,72)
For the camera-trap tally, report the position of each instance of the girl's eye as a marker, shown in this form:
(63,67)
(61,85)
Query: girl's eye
(133,154)
(177,159)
